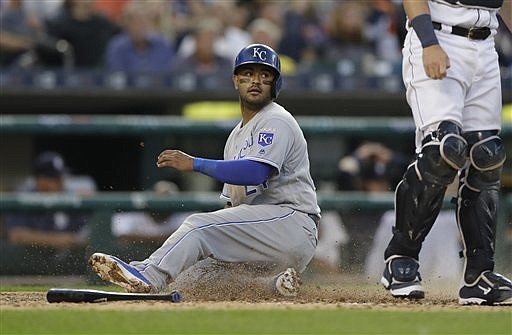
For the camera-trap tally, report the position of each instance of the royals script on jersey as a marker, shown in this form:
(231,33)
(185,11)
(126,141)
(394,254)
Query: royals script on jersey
(274,137)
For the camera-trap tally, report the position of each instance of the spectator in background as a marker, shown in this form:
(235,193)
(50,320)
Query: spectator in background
(149,228)
(503,38)
(18,33)
(86,31)
(400,22)
(139,48)
(54,229)
(165,20)
(43,10)
(266,32)
(382,31)
(113,9)
(270,10)
(293,40)
(186,16)
(303,32)
(372,168)
(347,48)
(234,17)
(197,53)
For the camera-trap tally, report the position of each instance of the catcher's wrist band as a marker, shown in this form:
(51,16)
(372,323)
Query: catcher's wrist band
(422,25)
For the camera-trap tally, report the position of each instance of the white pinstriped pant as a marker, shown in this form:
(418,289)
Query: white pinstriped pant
(470,95)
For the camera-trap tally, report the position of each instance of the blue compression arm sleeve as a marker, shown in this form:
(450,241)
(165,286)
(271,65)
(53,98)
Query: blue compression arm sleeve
(235,172)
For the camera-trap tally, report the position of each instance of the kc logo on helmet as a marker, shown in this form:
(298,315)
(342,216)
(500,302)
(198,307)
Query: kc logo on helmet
(261,54)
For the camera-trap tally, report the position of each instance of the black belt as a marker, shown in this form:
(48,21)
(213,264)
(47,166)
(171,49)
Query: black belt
(471,33)
(315,218)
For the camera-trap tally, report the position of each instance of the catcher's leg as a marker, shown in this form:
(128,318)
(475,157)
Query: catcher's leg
(420,194)
(477,209)
(419,198)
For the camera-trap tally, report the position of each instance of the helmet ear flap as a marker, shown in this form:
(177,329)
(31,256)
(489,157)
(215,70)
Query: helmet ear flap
(278,83)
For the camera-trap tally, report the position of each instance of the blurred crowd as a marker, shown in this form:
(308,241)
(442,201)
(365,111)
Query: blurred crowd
(140,35)
(204,36)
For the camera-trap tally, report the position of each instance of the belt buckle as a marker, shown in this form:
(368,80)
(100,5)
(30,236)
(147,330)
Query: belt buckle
(472,32)
(478,33)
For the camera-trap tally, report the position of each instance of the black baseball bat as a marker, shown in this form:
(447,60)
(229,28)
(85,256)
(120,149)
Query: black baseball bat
(83,295)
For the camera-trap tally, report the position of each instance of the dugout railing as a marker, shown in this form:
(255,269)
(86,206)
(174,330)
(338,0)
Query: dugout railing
(124,125)
(324,134)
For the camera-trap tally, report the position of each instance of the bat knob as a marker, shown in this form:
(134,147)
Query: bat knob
(175,296)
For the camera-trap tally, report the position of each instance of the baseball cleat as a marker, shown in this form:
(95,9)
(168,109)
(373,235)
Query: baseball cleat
(287,283)
(489,289)
(112,269)
(402,279)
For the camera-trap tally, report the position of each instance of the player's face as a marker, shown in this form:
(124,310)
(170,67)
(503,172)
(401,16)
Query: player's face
(254,84)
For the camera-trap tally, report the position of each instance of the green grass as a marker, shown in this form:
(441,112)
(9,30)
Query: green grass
(185,319)
(249,321)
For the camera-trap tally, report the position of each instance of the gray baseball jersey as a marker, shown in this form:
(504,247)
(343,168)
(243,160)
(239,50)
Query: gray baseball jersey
(268,224)
(273,137)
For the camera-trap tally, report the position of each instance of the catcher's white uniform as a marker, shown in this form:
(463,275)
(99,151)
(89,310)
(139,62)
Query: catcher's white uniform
(452,77)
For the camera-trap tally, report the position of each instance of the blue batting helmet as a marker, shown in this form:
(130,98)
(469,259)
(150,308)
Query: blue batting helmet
(261,54)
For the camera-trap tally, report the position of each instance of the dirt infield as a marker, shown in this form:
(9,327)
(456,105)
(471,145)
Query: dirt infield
(326,292)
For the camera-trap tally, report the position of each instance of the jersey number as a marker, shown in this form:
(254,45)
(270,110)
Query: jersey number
(253,190)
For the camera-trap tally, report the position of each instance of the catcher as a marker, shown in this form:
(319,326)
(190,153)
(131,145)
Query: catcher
(271,214)
(452,77)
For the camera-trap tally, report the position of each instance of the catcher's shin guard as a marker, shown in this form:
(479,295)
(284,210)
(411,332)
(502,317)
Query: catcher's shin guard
(477,203)
(420,194)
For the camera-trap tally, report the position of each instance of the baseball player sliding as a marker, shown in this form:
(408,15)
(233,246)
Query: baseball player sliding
(271,213)
(452,78)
